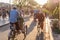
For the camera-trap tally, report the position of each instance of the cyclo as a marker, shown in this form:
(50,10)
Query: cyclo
(22,29)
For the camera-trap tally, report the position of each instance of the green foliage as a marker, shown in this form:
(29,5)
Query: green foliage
(46,11)
(55,27)
(56,12)
(56,15)
(52,9)
(56,30)
(55,23)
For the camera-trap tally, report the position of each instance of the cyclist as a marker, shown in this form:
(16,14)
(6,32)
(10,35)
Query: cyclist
(13,18)
(41,17)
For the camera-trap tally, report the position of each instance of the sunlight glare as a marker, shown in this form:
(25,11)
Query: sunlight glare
(7,1)
(41,2)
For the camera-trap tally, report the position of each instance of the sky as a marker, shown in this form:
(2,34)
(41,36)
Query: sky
(6,1)
(38,1)
(55,1)
(41,2)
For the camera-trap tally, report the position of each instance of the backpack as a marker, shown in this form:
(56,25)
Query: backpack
(20,21)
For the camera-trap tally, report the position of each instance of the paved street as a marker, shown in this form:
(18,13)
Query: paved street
(4,30)
(31,34)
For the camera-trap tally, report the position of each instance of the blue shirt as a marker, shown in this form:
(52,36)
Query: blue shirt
(13,16)
(35,11)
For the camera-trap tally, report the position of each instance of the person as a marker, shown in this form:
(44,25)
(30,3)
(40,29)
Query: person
(13,18)
(31,11)
(35,14)
(41,17)
(21,20)
(22,12)
(4,13)
(0,13)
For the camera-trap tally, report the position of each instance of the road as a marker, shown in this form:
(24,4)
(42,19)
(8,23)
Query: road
(31,31)
(31,35)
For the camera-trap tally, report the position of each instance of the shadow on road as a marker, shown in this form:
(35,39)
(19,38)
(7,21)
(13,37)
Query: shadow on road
(26,18)
(32,25)
(40,36)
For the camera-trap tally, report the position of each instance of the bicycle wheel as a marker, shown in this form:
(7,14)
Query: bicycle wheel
(25,31)
(38,31)
(11,35)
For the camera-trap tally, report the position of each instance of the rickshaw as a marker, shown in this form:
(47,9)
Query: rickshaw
(12,35)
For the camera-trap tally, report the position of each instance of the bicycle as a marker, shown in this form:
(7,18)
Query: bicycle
(40,31)
(13,33)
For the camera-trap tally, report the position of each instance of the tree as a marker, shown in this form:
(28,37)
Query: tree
(53,9)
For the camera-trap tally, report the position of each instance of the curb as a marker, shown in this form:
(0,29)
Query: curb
(4,24)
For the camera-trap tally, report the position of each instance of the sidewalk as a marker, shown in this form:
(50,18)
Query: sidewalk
(6,20)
